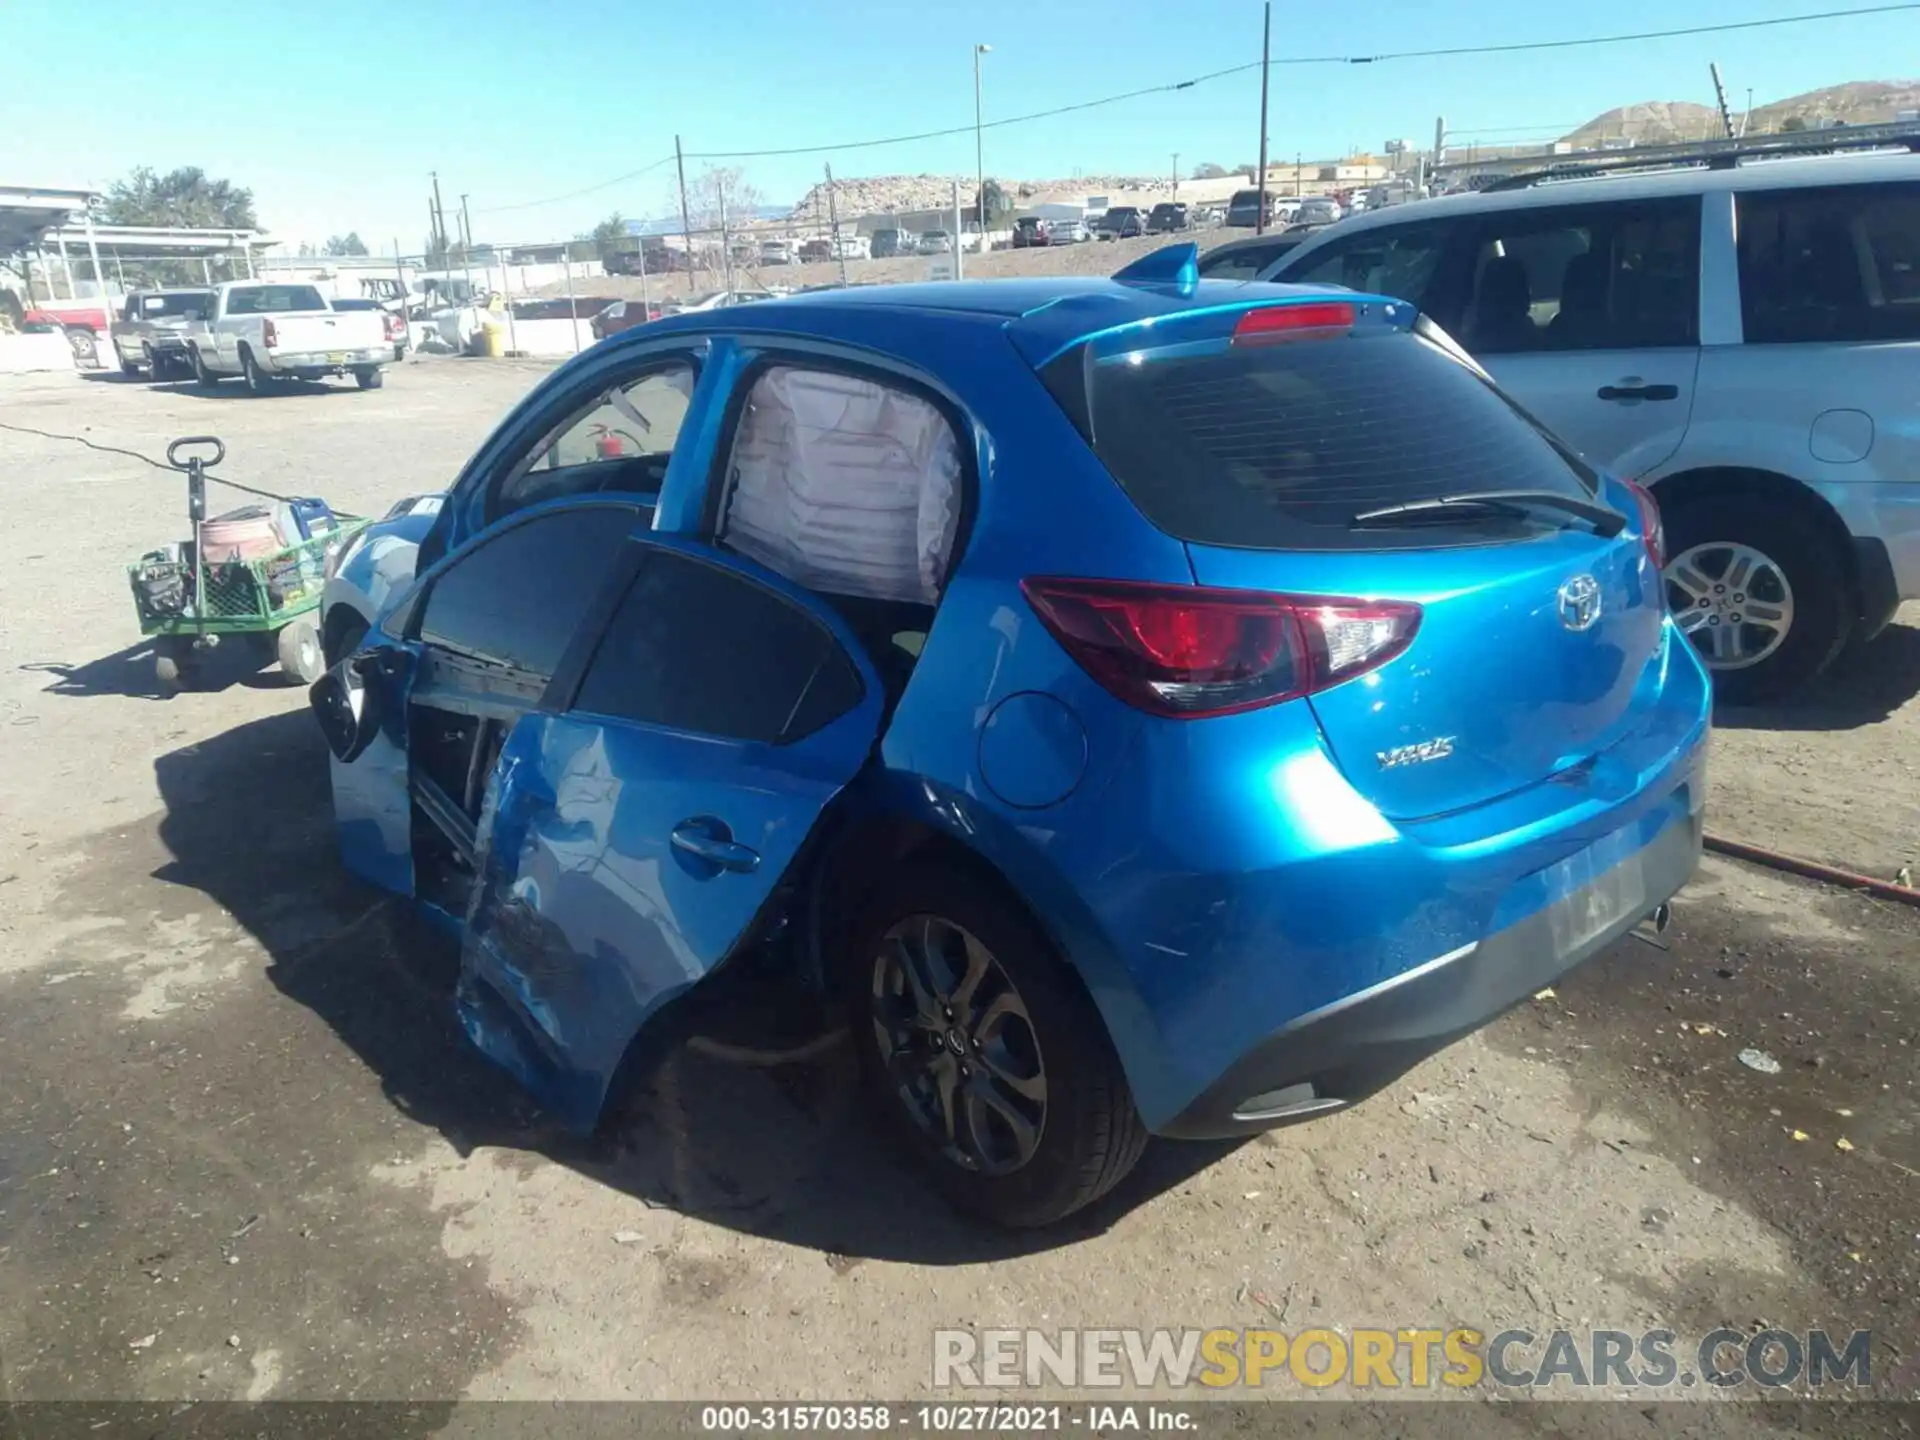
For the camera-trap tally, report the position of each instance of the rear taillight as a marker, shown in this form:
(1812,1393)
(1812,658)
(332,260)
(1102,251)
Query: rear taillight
(1308,320)
(1185,652)
(392,322)
(1651,530)
(269,336)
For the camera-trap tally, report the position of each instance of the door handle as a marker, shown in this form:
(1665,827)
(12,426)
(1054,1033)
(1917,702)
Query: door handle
(1639,392)
(711,841)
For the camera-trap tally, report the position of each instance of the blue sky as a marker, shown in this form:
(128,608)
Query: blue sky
(334,112)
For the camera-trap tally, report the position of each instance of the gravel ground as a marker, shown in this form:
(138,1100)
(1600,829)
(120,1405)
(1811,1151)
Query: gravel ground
(245,1154)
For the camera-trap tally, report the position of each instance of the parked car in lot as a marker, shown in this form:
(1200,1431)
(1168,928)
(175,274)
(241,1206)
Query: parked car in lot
(1318,210)
(1244,208)
(1195,784)
(849,246)
(712,300)
(813,251)
(1031,231)
(1737,339)
(934,242)
(150,332)
(1122,222)
(889,242)
(1074,231)
(267,332)
(393,320)
(1167,218)
(778,251)
(622,315)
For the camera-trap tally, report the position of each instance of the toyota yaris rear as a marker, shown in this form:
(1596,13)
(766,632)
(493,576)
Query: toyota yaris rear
(1146,706)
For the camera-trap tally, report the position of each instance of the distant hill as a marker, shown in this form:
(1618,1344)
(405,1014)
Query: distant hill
(1657,122)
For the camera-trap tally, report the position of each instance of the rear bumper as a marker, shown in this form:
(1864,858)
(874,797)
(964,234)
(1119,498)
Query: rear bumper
(325,361)
(1347,1050)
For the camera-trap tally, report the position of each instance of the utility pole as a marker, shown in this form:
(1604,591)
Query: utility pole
(1439,149)
(686,221)
(1266,68)
(726,249)
(833,218)
(1746,118)
(466,248)
(979,160)
(439,212)
(1720,98)
(1176,174)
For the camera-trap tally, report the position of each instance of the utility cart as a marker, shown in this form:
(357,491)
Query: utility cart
(194,595)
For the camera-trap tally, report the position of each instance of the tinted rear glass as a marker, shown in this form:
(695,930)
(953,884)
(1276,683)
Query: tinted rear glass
(273,299)
(1280,446)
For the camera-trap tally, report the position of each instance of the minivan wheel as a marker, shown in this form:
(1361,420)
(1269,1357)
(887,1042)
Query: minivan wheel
(990,1063)
(1758,590)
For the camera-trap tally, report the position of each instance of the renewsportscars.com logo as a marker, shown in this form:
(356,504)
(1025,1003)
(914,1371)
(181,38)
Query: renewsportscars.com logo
(1421,1358)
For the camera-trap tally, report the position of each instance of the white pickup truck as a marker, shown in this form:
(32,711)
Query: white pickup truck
(267,331)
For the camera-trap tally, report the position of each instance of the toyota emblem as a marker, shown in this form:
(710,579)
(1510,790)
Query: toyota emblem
(1580,603)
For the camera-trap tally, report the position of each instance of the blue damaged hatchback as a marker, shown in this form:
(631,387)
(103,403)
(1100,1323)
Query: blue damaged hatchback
(1147,705)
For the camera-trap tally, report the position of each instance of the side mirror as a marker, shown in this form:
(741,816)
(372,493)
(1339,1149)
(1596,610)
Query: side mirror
(348,712)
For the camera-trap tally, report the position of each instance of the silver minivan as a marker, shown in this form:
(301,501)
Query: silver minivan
(1741,337)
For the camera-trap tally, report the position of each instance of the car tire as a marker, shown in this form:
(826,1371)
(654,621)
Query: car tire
(201,374)
(251,375)
(297,647)
(369,377)
(1036,1028)
(1793,570)
(84,344)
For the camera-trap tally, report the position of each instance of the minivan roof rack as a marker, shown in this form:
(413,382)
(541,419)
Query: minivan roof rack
(1723,154)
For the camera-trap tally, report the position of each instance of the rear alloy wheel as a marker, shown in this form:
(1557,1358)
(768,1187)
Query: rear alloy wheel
(251,374)
(985,1054)
(86,349)
(1758,591)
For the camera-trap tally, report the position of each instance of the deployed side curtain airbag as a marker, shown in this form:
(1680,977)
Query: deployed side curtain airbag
(844,485)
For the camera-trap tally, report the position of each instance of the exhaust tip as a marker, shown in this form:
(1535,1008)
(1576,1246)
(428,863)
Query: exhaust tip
(1662,917)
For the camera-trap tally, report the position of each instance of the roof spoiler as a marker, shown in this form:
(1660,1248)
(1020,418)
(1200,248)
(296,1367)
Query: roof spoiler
(1177,266)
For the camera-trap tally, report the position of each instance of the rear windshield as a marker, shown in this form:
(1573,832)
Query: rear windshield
(157,307)
(273,299)
(1281,446)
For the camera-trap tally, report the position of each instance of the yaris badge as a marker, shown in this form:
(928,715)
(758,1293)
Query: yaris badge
(1580,603)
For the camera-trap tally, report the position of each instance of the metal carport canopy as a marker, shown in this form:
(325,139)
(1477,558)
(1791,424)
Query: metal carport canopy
(29,212)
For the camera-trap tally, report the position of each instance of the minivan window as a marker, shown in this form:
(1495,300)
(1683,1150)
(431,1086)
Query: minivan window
(1621,276)
(1834,264)
(1399,260)
(1281,446)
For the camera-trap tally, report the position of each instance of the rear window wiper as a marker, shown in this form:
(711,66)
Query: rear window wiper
(1606,521)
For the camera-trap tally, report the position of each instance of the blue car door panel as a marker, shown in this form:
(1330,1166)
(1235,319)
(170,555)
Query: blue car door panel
(628,843)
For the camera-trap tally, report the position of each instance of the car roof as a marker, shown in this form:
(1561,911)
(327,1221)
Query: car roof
(1792,172)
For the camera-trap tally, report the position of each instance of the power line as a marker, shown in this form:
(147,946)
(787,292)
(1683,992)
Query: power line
(1165,89)
(1287,60)
(576,194)
(1631,36)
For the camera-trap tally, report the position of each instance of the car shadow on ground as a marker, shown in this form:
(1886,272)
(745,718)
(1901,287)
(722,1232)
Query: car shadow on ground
(129,672)
(1865,685)
(230,388)
(790,1151)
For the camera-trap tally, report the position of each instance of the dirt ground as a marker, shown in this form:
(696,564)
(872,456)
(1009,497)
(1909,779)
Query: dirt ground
(244,1152)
